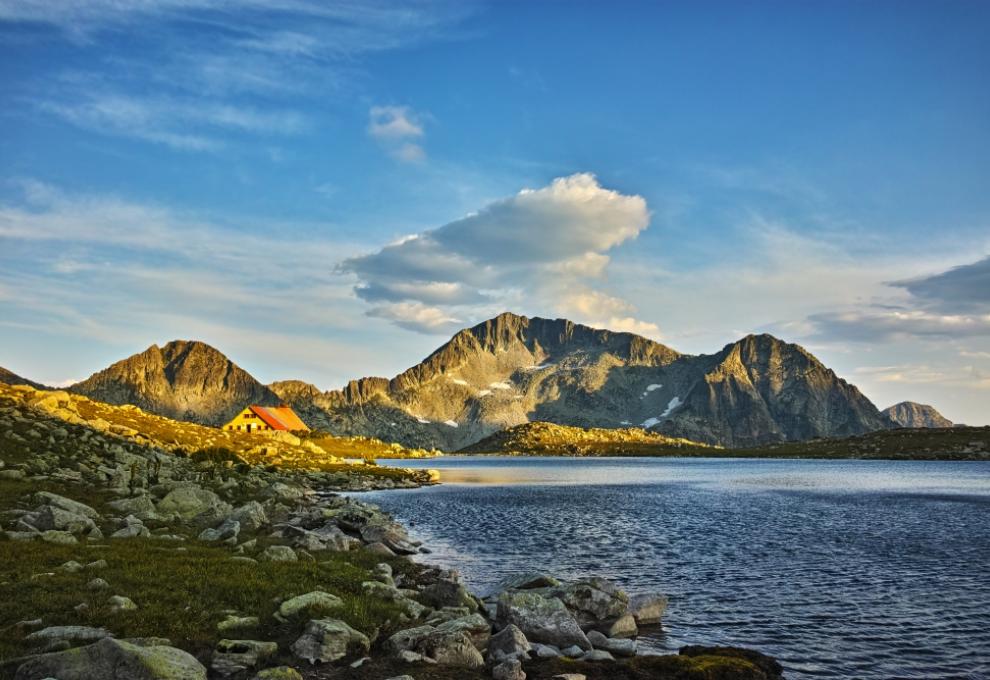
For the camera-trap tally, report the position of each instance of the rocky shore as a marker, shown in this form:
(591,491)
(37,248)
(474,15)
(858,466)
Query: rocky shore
(121,559)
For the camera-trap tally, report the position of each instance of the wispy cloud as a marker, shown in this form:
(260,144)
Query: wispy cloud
(399,130)
(210,69)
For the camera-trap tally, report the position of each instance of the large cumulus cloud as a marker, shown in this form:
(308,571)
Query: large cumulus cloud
(547,247)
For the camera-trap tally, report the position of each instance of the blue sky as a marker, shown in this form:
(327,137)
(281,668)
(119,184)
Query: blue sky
(326,190)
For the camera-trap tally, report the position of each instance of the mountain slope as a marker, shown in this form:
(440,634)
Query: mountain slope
(186,380)
(512,370)
(11,378)
(913,414)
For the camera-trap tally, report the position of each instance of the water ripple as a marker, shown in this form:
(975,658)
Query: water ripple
(841,569)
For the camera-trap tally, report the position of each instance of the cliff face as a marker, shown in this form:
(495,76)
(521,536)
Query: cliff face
(913,414)
(183,380)
(512,370)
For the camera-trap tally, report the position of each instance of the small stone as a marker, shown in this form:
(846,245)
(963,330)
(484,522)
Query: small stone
(327,640)
(232,623)
(597,655)
(119,603)
(573,651)
(97,584)
(236,656)
(510,669)
(58,537)
(309,604)
(278,673)
(278,553)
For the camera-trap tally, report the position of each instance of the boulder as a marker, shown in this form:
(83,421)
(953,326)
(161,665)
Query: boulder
(391,535)
(251,516)
(452,648)
(141,507)
(232,623)
(474,625)
(57,537)
(622,627)
(771,669)
(316,602)
(229,529)
(593,599)
(447,593)
(619,647)
(647,609)
(67,504)
(53,517)
(541,619)
(508,643)
(111,659)
(327,640)
(237,656)
(528,581)
(510,669)
(597,655)
(62,637)
(190,502)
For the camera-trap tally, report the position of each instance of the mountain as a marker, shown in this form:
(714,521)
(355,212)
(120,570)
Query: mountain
(512,370)
(913,414)
(186,380)
(11,378)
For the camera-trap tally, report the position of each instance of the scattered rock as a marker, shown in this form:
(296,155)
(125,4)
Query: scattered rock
(237,656)
(316,602)
(328,640)
(278,673)
(510,669)
(278,553)
(118,604)
(509,643)
(647,609)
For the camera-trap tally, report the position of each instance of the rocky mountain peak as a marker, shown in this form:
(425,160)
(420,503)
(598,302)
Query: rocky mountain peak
(913,414)
(183,379)
(11,378)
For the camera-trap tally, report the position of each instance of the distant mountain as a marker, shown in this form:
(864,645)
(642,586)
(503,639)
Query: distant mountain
(512,370)
(913,414)
(12,378)
(186,380)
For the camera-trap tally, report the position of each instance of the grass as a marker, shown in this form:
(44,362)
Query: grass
(182,592)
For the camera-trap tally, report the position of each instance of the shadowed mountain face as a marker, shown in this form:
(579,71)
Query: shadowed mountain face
(913,414)
(12,378)
(184,380)
(512,370)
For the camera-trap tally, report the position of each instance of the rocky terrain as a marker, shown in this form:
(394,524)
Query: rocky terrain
(511,370)
(127,557)
(913,414)
(184,380)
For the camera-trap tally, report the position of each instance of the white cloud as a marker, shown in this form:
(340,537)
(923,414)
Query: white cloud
(394,127)
(543,247)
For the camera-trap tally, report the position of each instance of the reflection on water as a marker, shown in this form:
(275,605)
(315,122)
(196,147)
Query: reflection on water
(840,568)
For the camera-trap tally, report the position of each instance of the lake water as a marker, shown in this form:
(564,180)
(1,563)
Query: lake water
(851,569)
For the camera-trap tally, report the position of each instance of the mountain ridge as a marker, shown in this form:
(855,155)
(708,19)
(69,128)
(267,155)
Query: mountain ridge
(511,370)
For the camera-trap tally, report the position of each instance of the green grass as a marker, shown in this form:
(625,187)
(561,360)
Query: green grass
(181,594)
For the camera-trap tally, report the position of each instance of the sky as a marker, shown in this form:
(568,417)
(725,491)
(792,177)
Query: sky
(327,190)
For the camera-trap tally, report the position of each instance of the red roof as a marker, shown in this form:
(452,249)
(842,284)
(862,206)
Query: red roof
(279,417)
